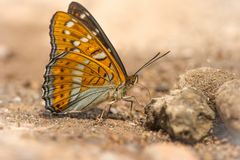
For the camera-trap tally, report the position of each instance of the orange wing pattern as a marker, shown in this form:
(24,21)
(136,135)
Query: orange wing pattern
(84,16)
(67,34)
(70,74)
(84,67)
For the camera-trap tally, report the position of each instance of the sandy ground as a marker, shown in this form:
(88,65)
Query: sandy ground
(197,33)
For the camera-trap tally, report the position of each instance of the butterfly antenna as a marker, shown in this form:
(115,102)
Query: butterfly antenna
(151,61)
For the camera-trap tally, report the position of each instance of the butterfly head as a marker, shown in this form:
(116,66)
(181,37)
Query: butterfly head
(133,79)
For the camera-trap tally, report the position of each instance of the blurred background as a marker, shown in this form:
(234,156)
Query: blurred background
(138,29)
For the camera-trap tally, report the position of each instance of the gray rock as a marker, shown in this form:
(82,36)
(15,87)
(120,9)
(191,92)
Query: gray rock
(228,105)
(184,114)
(207,80)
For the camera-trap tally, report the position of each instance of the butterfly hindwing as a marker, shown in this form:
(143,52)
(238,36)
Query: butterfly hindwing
(74,77)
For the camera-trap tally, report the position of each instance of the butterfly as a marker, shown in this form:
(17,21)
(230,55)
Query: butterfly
(84,68)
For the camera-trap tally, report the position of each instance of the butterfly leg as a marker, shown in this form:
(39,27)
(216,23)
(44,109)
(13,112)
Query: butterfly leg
(131,100)
(100,118)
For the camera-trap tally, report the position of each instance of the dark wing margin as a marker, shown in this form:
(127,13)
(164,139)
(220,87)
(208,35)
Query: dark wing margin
(85,17)
(52,41)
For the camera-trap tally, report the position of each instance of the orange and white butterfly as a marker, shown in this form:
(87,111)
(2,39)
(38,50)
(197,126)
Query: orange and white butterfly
(84,67)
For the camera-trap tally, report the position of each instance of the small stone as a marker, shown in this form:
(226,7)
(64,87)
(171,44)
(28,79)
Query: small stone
(168,151)
(184,114)
(205,79)
(228,105)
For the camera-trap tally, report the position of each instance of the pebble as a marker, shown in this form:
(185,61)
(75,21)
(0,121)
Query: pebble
(228,105)
(184,114)
(168,151)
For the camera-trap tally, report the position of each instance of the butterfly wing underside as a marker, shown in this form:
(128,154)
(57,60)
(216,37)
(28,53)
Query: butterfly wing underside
(83,68)
(89,21)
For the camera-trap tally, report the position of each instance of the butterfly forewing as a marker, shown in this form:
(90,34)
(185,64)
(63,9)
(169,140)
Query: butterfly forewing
(85,17)
(69,34)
